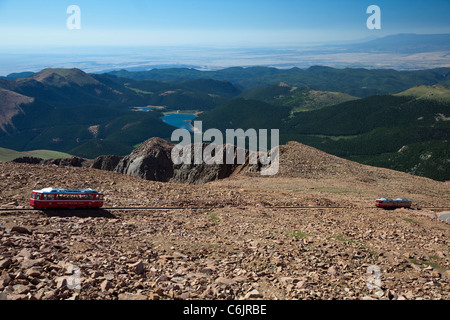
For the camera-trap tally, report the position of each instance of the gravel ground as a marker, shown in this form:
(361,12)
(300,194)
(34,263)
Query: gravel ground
(236,247)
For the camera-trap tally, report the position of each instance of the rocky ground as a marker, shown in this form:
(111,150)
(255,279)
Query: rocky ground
(234,244)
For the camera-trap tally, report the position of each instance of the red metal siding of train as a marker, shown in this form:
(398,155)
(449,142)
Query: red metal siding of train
(42,199)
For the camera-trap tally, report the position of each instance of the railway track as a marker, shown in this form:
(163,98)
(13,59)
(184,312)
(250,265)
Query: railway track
(204,208)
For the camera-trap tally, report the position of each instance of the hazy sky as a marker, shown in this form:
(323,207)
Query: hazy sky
(212,22)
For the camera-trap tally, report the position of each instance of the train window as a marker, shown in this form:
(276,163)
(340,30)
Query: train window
(38,196)
(100,197)
(91,197)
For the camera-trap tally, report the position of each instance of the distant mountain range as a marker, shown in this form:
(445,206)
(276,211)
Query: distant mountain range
(388,118)
(399,52)
(407,43)
(355,82)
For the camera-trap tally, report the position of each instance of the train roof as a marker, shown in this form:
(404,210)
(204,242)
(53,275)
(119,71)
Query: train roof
(389,199)
(73,191)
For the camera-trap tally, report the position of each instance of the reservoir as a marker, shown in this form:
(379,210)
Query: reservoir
(179,120)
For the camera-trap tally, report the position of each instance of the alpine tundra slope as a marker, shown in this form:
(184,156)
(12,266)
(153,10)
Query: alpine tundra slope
(239,248)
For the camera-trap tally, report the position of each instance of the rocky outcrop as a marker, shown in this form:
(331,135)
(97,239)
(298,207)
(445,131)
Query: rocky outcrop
(29,160)
(150,161)
(71,162)
(153,161)
(203,173)
(108,163)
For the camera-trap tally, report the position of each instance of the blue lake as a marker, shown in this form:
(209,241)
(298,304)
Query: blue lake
(179,120)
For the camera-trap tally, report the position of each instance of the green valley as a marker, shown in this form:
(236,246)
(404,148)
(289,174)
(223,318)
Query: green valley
(394,119)
(369,130)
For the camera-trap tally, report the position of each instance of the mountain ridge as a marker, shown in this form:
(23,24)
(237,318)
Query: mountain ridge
(10,107)
(91,115)
(357,82)
(435,92)
(62,77)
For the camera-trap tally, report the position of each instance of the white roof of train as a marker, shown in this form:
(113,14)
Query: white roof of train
(59,190)
(389,199)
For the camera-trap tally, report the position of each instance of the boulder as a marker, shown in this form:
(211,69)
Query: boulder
(5,263)
(20,229)
(106,285)
(137,267)
(5,279)
(150,161)
(253,294)
(108,163)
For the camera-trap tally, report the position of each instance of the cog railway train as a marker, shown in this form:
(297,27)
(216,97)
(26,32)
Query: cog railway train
(49,198)
(388,203)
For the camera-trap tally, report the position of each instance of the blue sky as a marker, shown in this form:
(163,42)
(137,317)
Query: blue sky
(212,22)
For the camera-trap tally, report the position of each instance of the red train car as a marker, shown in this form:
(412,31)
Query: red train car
(66,198)
(388,203)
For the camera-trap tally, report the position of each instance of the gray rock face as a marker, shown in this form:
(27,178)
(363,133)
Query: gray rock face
(153,161)
(203,173)
(150,161)
(108,163)
(72,162)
